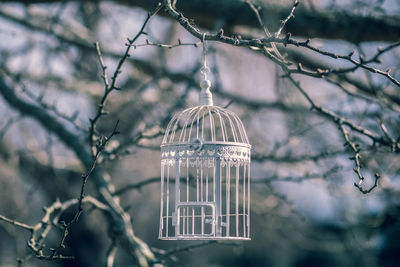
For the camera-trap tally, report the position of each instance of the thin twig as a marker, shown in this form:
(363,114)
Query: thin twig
(103,66)
(108,88)
(285,21)
(50,220)
(110,256)
(129,45)
(66,226)
(169,46)
(265,29)
(17,223)
(137,185)
(357,160)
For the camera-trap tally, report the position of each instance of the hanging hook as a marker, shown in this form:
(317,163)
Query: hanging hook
(205,84)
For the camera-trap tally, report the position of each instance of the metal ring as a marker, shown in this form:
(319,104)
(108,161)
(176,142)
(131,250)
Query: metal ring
(205,70)
(197,144)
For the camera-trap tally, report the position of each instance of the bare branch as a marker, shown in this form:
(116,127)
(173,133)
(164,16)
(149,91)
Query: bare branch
(112,251)
(135,246)
(16,223)
(169,46)
(261,43)
(357,157)
(40,231)
(129,45)
(110,87)
(283,22)
(103,66)
(265,29)
(137,185)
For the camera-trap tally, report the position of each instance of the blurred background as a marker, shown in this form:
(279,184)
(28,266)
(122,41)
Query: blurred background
(305,209)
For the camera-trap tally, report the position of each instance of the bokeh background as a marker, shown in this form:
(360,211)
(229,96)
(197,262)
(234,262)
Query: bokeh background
(305,210)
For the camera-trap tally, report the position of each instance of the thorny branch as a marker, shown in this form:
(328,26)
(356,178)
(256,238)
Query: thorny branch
(341,122)
(357,160)
(111,254)
(50,220)
(66,226)
(288,40)
(283,22)
(120,221)
(260,43)
(169,46)
(265,29)
(40,101)
(16,223)
(109,87)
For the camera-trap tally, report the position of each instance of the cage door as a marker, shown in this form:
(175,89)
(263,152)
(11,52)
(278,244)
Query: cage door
(194,219)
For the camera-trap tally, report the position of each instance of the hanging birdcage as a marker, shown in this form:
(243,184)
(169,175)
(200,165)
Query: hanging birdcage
(205,174)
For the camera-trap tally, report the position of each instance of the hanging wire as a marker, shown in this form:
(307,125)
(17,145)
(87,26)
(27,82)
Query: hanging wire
(205,70)
(205,94)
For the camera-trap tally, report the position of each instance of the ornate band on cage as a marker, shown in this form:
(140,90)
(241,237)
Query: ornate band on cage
(205,174)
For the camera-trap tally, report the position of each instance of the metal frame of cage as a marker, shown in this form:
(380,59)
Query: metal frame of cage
(205,176)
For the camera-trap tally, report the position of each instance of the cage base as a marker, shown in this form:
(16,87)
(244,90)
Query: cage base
(206,238)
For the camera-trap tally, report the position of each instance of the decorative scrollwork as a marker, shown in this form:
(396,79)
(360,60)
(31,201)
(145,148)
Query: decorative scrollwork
(227,152)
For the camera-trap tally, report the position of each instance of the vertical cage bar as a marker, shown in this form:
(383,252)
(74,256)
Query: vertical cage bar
(244,200)
(202,126)
(212,125)
(197,164)
(197,181)
(178,222)
(177,194)
(193,220)
(167,208)
(201,181)
(198,124)
(202,220)
(162,201)
(207,176)
(187,220)
(228,197)
(237,198)
(248,202)
(202,196)
(183,221)
(214,180)
(187,179)
(186,215)
(218,195)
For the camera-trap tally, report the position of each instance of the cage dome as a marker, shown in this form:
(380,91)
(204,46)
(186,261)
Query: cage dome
(205,176)
(207,124)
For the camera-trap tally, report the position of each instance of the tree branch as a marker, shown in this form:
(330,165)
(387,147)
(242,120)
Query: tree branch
(120,221)
(310,23)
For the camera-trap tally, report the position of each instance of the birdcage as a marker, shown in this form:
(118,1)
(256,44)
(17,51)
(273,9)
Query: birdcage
(205,175)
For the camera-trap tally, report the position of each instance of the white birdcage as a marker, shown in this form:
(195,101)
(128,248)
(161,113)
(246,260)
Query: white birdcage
(205,174)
